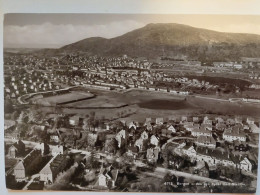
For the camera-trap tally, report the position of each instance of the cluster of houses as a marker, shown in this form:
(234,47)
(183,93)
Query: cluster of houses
(216,158)
(29,60)
(28,82)
(29,164)
(142,142)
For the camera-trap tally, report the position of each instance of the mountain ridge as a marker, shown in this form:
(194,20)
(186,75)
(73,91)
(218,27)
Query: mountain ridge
(170,39)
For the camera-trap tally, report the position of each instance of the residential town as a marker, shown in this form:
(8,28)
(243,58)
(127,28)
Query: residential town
(95,115)
(92,153)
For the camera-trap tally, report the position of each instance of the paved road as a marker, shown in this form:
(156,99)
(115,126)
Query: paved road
(160,172)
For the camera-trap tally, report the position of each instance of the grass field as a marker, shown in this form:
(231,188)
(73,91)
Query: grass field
(53,100)
(99,101)
(225,108)
(138,104)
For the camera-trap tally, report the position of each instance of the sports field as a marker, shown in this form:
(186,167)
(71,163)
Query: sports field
(59,99)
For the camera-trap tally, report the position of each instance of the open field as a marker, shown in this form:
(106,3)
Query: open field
(59,99)
(165,104)
(98,102)
(225,107)
(138,104)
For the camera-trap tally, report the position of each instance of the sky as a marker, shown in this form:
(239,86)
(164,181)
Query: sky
(26,30)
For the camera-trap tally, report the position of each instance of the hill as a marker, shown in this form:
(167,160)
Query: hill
(171,40)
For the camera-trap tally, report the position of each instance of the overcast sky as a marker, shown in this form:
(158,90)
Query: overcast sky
(56,30)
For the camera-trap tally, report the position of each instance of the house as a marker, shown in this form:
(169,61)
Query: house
(189,150)
(166,133)
(74,120)
(56,165)
(133,125)
(147,121)
(159,121)
(101,181)
(219,119)
(250,121)
(154,140)
(206,120)
(201,169)
(221,126)
(139,143)
(238,120)
(46,174)
(17,149)
(207,141)
(191,127)
(132,151)
(119,136)
(246,165)
(173,118)
(253,128)
(12,151)
(233,134)
(106,178)
(149,127)
(54,137)
(184,119)
(201,131)
(152,154)
(24,167)
(195,119)
(144,135)
(230,121)
(19,171)
(206,126)
(55,150)
(171,128)
(39,146)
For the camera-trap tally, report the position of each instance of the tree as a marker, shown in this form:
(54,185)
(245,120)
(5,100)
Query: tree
(46,149)
(8,106)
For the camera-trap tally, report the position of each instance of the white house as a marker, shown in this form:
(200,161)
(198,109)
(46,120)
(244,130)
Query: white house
(159,121)
(119,136)
(54,138)
(246,165)
(139,143)
(201,131)
(232,135)
(102,180)
(154,140)
(46,174)
(19,171)
(206,141)
(171,128)
(132,124)
(55,150)
(144,135)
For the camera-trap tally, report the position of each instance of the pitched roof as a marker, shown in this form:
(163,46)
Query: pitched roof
(202,130)
(19,165)
(46,169)
(220,155)
(206,139)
